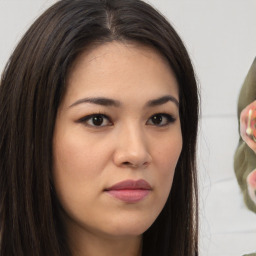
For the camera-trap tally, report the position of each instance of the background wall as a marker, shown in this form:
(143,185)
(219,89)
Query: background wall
(221,39)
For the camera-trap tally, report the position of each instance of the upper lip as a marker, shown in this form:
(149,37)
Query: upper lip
(131,184)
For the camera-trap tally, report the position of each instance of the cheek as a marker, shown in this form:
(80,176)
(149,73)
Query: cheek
(78,157)
(251,179)
(75,170)
(166,158)
(168,151)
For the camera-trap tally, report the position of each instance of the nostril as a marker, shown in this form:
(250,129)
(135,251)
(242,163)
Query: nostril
(134,165)
(129,164)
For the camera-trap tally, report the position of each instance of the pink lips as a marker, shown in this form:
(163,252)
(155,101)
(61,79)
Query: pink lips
(130,191)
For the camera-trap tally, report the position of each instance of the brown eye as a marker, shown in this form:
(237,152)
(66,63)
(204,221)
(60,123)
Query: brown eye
(157,119)
(160,120)
(96,120)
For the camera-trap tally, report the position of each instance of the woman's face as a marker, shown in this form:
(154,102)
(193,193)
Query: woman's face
(117,140)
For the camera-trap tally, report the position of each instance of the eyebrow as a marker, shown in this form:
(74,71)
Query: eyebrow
(98,101)
(115,103)
(163,100)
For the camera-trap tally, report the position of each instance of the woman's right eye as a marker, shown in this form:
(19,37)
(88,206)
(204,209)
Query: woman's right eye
(96,120)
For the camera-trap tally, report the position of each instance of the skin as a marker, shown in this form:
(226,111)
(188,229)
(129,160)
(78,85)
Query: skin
(128,144)
(251,178)
(244,123)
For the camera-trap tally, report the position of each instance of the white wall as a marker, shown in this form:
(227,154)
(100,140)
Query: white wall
(221,39)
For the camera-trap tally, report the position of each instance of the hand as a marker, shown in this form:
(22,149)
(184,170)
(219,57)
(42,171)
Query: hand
(248,125)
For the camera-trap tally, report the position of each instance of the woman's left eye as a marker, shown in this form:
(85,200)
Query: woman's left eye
(96,120)
(160,120)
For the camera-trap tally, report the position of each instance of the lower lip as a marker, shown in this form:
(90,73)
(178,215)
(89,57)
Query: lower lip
(129,195)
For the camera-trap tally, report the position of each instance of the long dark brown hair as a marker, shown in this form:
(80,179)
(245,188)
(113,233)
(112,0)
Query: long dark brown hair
(32,87)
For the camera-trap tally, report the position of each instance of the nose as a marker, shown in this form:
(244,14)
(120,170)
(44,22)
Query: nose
(131,149)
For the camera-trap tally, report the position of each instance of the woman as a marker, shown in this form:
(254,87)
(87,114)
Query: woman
(248,134)
(99,112)
(245,160)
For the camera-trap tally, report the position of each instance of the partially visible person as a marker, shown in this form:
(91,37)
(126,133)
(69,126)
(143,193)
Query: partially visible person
(248,134)
(245,156)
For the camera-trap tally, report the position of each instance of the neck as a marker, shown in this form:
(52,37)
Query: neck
(90,244)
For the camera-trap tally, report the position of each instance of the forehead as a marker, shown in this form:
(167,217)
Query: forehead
(126,48)
(119,69)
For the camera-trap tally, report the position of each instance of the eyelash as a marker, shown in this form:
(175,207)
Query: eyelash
(164,116)
(168,118)
(86,119)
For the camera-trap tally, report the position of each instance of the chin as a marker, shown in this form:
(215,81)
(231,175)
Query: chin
(130,225)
